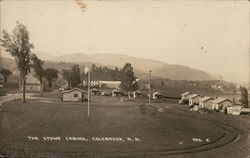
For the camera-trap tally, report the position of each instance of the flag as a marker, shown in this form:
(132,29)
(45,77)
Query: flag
(86,70)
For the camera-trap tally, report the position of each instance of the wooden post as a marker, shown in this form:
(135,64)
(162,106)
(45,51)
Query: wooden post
(149,89)
(24,84)
(88,90)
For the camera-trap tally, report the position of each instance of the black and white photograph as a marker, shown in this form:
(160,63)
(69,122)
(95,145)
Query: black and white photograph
(124,79)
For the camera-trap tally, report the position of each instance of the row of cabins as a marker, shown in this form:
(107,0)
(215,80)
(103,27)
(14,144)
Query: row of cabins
(219,104)
(137,94)
(77,94)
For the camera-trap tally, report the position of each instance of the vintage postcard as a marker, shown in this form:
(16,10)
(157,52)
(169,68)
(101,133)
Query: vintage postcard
(124,78)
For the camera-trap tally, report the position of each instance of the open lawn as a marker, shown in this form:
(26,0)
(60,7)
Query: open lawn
(48,127)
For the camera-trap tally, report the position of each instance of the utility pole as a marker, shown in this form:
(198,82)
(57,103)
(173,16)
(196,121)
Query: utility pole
(149,88)
(88,90)
(87,70)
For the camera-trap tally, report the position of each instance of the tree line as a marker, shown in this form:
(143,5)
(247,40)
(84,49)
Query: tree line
(75,76)
(19,46)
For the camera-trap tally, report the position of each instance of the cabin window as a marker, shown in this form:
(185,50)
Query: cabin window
(75,95)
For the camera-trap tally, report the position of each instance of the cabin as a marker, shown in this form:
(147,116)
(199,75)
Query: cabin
(137,94)
(206,103)
(234,110)
(194,99)
(157,95)
(94,91)
(104,93)
(116,92)
(185,96)
(74,95)
(221,104)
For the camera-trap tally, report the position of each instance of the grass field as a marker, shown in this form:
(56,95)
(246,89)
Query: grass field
(130,129)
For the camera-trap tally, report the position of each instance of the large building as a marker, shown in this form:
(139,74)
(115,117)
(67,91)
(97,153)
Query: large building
(108,84)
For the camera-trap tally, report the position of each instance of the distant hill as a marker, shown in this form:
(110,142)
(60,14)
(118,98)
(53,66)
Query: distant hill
(113,60)
(177,72)
(9,63)
(160,69)
(141,66)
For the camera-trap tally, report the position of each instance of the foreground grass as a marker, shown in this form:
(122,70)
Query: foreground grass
(157,131)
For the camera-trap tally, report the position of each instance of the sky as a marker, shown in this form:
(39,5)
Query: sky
(208,35)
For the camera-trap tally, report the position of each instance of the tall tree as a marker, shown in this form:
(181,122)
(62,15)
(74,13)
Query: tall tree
(19,46)
(5,73)
(75,75)
(128,80)
(244,96)
(66,74)
(39,71)
(51,75)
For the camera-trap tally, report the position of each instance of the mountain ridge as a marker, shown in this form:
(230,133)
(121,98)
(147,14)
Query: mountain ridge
(141,65)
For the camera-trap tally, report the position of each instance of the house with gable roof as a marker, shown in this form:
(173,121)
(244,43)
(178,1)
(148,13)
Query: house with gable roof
(194,99)
(221,104)
(206,103)
(74,94)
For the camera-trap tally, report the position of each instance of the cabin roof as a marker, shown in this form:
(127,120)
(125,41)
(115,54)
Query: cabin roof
(68,91)
(185,93)
(116,90)
(94,90)
(194,96)
(139,92)
(205,99)
(157,93)
(220,100)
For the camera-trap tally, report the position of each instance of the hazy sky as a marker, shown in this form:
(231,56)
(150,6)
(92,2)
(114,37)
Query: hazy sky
(208,35)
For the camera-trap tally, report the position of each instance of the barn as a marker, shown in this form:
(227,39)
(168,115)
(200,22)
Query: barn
(74,94)
(206,103)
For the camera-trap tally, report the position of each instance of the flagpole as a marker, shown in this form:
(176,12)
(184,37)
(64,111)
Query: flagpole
(88,90)
(149,88)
